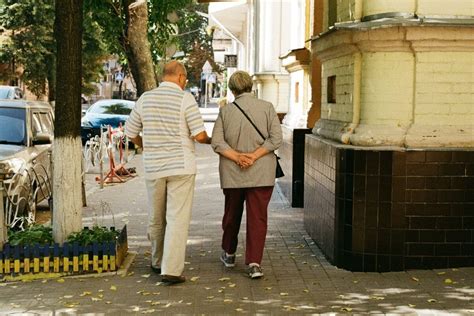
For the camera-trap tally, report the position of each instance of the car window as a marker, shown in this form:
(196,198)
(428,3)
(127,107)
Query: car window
(12,126)
(42,123)
(5,93)
(46,122)
(119,108)
(36,124)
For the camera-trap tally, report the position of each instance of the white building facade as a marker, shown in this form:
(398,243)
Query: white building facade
(261,32)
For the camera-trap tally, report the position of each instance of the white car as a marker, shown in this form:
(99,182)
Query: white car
(11,93)
(26,133)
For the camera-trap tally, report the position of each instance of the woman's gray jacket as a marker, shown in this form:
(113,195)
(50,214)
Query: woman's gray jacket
(233,130)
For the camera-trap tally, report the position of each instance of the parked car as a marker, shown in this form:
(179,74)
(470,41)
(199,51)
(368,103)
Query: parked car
(26,133)
(104,112)
(11,93)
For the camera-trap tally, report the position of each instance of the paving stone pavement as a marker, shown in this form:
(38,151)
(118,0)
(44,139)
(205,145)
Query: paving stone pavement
(298,279)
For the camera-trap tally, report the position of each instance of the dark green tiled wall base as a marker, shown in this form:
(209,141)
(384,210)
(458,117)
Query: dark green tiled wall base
(390,210)
(292,163)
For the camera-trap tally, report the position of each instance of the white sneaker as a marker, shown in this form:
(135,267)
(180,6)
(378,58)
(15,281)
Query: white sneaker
(255,271)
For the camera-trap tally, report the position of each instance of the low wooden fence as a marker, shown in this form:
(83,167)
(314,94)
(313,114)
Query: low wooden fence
(67,259)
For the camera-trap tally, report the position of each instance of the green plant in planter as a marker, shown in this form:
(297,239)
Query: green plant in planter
(35,234)
(95,235)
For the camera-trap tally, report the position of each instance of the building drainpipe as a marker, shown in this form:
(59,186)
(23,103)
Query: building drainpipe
(356,99)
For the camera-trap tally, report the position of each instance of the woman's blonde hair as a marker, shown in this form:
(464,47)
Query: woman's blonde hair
(240,82)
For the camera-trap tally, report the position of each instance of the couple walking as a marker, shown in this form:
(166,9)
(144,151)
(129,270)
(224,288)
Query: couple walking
(165,122)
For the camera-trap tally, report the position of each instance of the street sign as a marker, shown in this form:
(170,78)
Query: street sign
(207,68)
(230,61)
(211,78)
(119,76)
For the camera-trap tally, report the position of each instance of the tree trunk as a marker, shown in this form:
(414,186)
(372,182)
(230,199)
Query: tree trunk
(51,83)
(141,62)
(3,226)
(67,199)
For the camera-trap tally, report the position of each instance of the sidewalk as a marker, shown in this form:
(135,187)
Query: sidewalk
(297,277)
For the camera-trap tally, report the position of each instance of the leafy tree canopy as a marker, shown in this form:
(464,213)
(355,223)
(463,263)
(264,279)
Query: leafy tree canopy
(30,24)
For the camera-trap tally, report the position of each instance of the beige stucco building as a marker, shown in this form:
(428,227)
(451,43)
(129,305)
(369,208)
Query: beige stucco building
(398,73)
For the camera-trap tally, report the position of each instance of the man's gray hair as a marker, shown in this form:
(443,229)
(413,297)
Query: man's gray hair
(240,82)
(173,68)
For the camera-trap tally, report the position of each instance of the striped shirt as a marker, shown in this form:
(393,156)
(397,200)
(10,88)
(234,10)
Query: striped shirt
(167,117)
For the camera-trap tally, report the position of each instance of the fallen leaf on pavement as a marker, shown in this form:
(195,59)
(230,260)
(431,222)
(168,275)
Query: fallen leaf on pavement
(432,300)
(149,311)
(239,310)
(224,279)
(145,275)
(228,300)
(346,309)
(96,299)
(290,308)
(232,285)
(60,280)
(85,293)
(415,279)
(448,281)
(441,273)
(411,305)
(194,279)
(283,294)
(113,288)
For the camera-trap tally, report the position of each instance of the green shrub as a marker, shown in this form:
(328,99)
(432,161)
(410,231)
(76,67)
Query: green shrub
(95,235)
(35,234)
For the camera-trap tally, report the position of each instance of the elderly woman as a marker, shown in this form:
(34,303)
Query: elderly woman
(247,169)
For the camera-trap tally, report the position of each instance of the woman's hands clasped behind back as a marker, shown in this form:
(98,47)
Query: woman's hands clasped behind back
(246,160)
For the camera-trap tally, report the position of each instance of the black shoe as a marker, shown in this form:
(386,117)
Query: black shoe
(156,270)
(172,279)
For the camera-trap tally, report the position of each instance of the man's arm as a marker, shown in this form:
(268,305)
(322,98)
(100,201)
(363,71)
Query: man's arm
(202,138)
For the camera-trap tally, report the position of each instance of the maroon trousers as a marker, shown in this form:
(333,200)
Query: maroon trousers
(257,200)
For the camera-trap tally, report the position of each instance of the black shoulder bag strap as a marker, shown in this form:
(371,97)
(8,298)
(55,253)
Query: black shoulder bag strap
(248,118)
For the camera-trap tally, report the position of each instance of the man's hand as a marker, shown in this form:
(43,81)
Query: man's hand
(203,138)
(137,141)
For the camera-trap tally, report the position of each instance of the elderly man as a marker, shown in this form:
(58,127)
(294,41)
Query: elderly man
(170,121)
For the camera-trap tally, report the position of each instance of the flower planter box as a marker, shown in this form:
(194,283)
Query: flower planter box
(68,259)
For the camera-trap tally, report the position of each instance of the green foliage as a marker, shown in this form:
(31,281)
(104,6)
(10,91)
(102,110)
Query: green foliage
(112,16)
(35,234)
(193,28)
(32,44)
(30,24)
(95,235)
